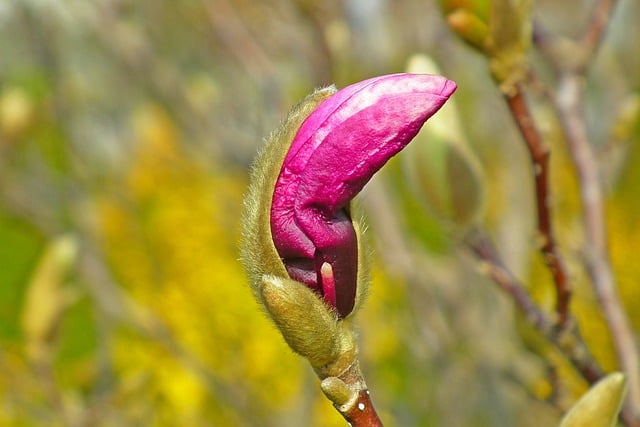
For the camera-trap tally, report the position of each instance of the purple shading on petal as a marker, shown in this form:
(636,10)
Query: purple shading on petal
(337,149)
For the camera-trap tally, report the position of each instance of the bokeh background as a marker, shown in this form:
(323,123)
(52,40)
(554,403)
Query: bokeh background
(127,129)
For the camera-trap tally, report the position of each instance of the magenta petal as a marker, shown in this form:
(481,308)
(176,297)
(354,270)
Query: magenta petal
(338,148)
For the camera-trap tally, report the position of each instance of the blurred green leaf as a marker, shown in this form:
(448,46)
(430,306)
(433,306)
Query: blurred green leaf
(19,248)
(47,297)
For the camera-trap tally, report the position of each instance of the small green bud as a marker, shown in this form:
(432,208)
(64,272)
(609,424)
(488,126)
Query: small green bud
(510,24)
(469,19)
(446,177)
(337,391)
(479,8)
(346,353)
(600,406)
(306,322)
(501,29)
(510,29)
(469,27)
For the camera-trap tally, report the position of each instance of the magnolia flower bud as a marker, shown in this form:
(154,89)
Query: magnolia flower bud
(298,220)
(469,19)
(302,245)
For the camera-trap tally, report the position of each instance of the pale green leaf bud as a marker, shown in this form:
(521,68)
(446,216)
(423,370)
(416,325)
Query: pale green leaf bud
(510,38)
(307,324)
(441,169)
(479,8)
(600,406)
(337,391)
(501,29)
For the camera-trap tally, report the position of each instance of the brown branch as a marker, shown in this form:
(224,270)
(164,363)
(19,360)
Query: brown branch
(595,30)
(539,154)
(485,251)
(596,248)
(568,103)
(566,339)
(362,413)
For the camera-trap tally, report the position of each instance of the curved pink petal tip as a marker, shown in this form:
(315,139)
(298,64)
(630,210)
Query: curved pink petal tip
(337,149)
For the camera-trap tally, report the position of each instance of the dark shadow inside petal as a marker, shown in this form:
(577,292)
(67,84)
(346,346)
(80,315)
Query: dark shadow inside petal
(336,243)
(303,270)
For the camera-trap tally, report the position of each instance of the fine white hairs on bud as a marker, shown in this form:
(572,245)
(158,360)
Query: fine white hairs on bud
(307,324)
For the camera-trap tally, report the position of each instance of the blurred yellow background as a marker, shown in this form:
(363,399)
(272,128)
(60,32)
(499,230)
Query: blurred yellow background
(127,129)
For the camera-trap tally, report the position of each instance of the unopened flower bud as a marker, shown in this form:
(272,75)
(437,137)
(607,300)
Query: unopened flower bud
(299,228)
(338,148)
(600,406)
(298,221)
(441,168)
(501,29)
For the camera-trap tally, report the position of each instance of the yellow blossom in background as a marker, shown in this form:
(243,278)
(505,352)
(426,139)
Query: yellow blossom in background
(625,238)
(17,111)
(170,234)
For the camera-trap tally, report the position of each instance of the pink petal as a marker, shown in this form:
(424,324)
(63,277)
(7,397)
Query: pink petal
(338,148)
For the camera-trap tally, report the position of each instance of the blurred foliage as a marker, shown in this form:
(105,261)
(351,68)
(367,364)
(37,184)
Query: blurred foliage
(126,133)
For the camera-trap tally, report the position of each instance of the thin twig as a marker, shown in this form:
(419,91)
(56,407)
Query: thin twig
(568,104)
(596,247)
(539,154)
(567,339)
(595,30)
(358,408)
(485,251)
